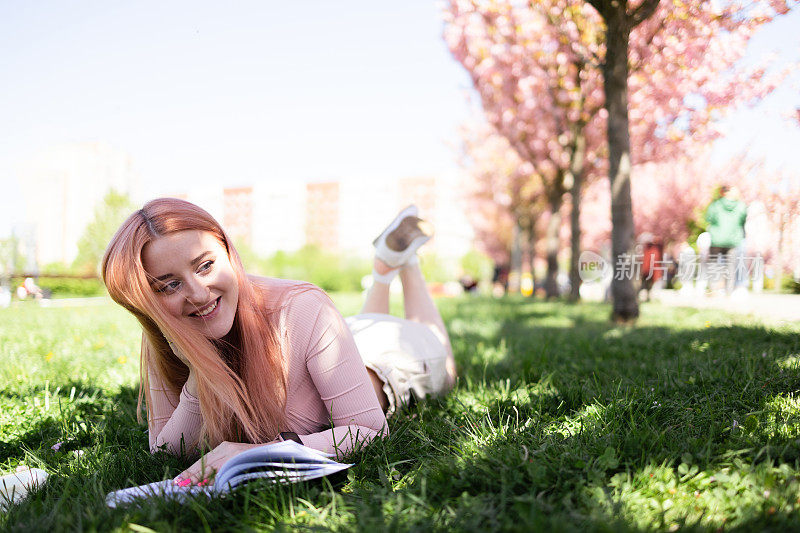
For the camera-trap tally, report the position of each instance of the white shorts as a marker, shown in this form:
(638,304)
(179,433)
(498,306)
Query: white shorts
(410,358)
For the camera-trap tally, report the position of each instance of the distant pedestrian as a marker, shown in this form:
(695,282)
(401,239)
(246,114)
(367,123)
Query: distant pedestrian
(652,269)
(500,279)
(469,284)
(29,288)
(726,217)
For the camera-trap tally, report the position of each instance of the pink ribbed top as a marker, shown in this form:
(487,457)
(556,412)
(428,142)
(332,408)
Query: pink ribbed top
(330,400)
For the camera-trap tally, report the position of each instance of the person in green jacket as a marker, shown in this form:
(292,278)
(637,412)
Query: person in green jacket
(726,217)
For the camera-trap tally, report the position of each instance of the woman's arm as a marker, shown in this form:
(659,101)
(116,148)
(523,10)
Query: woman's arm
(317,329)
(173,417)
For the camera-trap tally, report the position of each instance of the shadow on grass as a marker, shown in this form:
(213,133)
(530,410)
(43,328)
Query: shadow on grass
(583,402)
(102,448)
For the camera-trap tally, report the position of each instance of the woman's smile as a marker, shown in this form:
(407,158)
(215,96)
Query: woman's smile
(209,311)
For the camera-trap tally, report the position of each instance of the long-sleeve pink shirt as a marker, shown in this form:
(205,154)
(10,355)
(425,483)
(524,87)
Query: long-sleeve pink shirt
(330,401)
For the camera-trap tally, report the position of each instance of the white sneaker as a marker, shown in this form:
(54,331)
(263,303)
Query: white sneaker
(402,237)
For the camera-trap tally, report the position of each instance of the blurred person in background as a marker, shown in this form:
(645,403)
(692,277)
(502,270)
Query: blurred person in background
(726,217)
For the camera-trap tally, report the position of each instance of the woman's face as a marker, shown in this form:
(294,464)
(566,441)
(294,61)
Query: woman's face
(192,275)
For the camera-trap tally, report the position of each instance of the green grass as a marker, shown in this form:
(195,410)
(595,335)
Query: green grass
(691,420)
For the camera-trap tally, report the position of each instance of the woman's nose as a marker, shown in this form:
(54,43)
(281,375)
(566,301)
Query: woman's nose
(197,293)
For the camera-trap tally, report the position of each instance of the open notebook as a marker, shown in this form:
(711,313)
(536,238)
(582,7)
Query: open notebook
(282,462)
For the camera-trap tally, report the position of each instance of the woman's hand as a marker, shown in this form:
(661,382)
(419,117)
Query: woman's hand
(204,469)
(191,383)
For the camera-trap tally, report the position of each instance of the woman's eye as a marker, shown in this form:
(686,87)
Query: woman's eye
(205,266)
(170,287)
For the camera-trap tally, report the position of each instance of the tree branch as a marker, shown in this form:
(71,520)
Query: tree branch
(643,12)
(636,66)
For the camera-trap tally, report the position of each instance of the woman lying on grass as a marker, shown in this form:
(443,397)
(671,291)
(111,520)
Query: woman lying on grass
(232,361)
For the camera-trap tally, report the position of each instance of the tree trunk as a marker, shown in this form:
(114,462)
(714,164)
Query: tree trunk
(615,82)
(515,269)
(551,237)
(532,252)
(576,172)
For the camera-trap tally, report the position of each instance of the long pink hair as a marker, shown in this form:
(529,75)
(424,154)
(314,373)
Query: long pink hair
(241,384)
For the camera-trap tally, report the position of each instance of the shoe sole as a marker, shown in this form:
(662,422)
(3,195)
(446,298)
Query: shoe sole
(410,211)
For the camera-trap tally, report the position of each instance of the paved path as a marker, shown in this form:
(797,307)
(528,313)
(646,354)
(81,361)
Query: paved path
(781,307)
(68,302)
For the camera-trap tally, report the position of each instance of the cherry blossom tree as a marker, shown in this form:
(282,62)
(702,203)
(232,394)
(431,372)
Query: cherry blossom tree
(619,22)
(544,69)
(684,58)
(505,199)
(530,72)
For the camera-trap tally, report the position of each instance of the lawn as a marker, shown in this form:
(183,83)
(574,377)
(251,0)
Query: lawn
(560,421)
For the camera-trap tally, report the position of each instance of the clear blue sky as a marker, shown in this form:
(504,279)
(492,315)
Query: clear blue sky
(198,93)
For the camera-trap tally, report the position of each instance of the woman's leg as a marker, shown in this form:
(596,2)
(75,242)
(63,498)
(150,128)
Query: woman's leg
(419,307)
(377,300)
(396,247)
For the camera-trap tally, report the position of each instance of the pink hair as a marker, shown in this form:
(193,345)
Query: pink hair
(241,384)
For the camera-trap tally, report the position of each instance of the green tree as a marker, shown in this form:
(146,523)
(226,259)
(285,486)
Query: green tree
(108,215)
